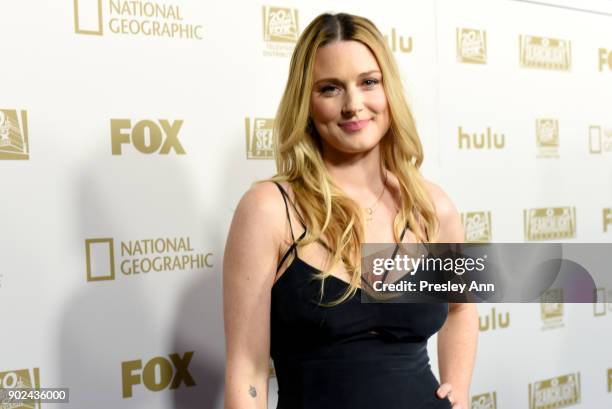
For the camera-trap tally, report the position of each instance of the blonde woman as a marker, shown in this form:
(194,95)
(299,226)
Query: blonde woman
(348,157)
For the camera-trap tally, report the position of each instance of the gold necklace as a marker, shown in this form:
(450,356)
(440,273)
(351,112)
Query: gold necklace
(370,210)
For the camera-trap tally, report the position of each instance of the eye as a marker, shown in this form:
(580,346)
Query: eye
(371,82)
(328,90)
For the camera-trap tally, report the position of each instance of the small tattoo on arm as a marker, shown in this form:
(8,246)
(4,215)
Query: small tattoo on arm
(252,391)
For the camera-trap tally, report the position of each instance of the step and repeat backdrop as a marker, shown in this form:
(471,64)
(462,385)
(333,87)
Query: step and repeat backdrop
(129,129)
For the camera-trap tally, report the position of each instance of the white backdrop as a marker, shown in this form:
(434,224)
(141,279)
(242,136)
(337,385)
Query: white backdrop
(186,107)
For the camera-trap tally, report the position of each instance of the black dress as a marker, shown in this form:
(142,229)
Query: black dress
(351,356)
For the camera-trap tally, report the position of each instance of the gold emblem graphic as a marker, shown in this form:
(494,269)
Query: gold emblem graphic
(605,58)
(547,138)
(88,17)
(484,401)
(549,223)
(610,380)
(20,379)
(551,308)
(558,392)
(280,24)
(607,219)
(471,46)
(398,42)
(259,139)
(477,226)
(603,301)
(14,135)
(100,259)
(280,30)
(600,139)
(545,53)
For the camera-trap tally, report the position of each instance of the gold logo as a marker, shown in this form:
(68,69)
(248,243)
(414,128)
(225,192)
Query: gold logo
(259,140)
(399,42)
(100,259)
(130,17)
(21,379)
(484,401)
(280,30)
(551,308)
(158,374)
(605,58)
(477,226)
(494,321)
(471,46)
(142,257)
(146,136)
(550,223)
(547,138)
(557,392)
(545,53)
(607,219)
(14,135)
(600,139)
(610,380)
(603,301)
(487,140)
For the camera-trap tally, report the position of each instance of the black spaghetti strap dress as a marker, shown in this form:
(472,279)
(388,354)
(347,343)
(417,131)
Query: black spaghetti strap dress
(351,356)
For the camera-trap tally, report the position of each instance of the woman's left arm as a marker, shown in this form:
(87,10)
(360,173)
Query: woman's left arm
(458,338)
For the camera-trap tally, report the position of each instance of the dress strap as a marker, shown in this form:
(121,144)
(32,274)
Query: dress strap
(293,246)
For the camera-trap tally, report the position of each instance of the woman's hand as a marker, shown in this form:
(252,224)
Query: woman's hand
(446,391)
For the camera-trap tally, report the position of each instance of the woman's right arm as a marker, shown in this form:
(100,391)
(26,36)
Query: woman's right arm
(249,269)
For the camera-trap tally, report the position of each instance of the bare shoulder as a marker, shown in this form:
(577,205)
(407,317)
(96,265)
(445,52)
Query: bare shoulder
(451,228)
(262,206)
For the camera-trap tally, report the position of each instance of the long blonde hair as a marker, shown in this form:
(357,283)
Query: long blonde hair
(331,217)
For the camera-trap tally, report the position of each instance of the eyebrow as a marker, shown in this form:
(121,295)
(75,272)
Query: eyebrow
(336,80)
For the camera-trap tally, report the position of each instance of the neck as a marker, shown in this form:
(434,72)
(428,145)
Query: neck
(358,175)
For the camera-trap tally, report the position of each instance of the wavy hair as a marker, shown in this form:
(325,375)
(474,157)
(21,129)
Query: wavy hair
(331,217)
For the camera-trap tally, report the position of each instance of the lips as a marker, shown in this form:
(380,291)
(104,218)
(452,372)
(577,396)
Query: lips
(354,126)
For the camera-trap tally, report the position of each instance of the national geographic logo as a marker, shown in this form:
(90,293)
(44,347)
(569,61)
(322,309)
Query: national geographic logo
(559,392)
(158,374)
(600,139)
(484,401)
(146,136)
(607,219)
(605,59)
(545,53)
(494,321)
(547,138)
(477,226)
(549,223)
(486,140)
(603,302)
(551,308)
(135,18)
(399,43)
(142,257)
(280,30)
(14,135)
(471,46)
(259,141)
(18,379)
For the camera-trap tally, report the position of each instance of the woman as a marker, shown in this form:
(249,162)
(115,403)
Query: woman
(347,155)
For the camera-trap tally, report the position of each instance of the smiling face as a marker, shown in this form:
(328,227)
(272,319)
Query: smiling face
(348,105)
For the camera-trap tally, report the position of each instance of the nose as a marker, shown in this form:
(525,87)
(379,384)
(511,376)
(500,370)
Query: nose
(353,102)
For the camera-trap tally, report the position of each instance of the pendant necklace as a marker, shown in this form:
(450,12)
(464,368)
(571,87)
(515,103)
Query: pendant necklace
(370,210)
